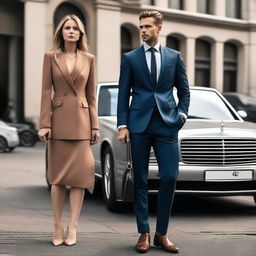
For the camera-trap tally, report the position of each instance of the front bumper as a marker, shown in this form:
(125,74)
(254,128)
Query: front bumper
(191,180)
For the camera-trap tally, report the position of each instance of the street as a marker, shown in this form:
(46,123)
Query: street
(200,226)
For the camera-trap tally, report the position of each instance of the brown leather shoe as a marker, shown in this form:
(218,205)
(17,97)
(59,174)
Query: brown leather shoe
(163,242)
(143,244)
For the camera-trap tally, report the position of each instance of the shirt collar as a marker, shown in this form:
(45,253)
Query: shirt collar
(146,46)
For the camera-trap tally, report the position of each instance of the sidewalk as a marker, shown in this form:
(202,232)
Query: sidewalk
(110,244)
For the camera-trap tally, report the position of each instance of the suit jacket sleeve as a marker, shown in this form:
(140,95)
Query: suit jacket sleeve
(181,83)
(46,97)
(91,95)
(125,82)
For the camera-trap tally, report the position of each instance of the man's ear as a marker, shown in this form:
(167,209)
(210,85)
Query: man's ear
(159,28)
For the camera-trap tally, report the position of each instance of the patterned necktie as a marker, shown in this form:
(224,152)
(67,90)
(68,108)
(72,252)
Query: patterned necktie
(153,65)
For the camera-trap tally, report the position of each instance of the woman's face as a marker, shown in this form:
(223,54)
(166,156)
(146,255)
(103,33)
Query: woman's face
(70,31)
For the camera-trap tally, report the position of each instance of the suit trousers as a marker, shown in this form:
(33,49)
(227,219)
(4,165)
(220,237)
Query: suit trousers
(164,140)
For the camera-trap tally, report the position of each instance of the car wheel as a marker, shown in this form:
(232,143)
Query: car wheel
(254,197)
(108,181)
(3,145)
(27,139)
(46,169)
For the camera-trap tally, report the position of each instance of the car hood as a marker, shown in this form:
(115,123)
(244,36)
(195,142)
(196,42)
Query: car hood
(206,128)
(199,128)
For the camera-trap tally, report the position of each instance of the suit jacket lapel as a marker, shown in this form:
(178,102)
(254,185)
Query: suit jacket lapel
(61,62)
(163,63)
(142,58)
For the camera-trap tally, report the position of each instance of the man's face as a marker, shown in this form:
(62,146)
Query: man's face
(149,31)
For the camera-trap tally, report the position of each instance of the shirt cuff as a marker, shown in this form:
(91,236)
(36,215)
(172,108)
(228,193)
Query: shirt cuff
(121,127)
(183,114)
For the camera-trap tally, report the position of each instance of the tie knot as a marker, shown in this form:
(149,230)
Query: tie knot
(152,49)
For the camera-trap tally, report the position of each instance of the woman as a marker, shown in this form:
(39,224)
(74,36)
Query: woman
(69,122)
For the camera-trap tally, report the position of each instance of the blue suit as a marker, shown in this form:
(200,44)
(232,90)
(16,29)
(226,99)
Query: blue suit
(153,119)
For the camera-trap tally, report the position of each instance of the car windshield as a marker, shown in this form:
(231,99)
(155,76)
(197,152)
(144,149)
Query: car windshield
(203,105)
(208,105)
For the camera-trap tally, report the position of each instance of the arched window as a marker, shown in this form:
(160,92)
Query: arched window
(205,6)
(173,43)
(175,4)
(149,2)
(65,9)
(230,67)
(233,8)
(126,40)
(203,63)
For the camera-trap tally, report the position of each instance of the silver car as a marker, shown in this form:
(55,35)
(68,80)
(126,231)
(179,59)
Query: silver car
(217,149)
(9,138)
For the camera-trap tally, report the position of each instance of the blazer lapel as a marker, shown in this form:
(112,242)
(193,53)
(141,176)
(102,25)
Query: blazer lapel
(142,58)
(163,63)
(61,62)
(79,65)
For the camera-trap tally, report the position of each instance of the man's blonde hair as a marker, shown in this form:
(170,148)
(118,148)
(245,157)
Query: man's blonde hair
(158,16)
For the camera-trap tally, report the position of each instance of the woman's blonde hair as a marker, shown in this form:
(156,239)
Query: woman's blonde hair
(58,41)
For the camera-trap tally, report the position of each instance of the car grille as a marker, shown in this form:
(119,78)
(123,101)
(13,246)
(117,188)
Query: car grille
(218,151)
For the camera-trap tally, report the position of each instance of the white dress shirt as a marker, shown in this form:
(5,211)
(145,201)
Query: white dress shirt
(148,58)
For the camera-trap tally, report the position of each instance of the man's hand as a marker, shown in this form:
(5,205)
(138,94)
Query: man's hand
(123,135)
(44,134)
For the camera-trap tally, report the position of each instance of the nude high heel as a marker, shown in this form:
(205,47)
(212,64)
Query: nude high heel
(58,237)
(71,237)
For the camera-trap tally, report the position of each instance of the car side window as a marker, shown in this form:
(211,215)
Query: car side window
(107,103)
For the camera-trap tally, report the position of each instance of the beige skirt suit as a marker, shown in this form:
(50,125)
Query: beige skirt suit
(68,108)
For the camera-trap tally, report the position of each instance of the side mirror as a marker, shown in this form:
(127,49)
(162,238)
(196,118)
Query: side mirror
(242,113)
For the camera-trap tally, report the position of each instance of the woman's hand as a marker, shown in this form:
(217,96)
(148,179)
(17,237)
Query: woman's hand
(95,136)
(44,134)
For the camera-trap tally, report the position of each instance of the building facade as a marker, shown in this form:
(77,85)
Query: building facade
(217,39)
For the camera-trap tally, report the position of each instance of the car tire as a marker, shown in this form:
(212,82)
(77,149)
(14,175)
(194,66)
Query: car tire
(3,144)
(46,169)
(108,181)
(27,139)
(254,197)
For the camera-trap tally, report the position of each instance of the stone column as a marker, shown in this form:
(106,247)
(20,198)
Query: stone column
(190,5)
(108,41)
(161,3)
(219,8)
(217,66)
(252,65)
(34,46)
(190,59)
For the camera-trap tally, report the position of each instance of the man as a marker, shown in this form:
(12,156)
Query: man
(153,118)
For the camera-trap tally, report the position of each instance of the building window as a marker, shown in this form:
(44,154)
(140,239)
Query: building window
(65,9)
(230,67)
(126,40)
(205,6)
(233,8)
(149,2)
(203,63)
(173,43)
(175,4)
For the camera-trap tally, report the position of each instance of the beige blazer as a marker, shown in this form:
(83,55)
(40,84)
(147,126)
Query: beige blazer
(68,102)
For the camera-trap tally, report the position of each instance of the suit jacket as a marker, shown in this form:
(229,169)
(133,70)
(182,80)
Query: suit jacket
(68,103)
(135,79)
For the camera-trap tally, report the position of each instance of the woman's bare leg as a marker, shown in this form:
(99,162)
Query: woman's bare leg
(58,194)
(76,202)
